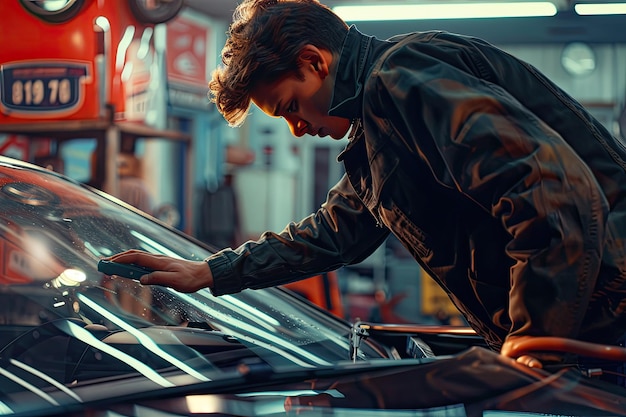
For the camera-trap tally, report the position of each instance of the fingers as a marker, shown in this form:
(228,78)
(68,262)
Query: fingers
(153,279)
(137,257)
(510,349)
(529,361)
(182,275)
(185,284)
(129,256)
(511,346)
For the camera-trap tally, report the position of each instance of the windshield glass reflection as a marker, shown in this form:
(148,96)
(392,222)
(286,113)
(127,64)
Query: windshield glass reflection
(62,317)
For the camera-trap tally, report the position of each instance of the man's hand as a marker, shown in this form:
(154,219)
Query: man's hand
(179,274)
(510,348)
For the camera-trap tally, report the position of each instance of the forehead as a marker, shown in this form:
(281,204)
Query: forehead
(268,96)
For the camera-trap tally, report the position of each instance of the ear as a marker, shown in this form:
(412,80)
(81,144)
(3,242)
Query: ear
(315,59)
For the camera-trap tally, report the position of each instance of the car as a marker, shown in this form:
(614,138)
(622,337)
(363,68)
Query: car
(75,341)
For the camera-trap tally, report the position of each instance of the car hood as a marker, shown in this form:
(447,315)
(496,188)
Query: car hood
(465,384)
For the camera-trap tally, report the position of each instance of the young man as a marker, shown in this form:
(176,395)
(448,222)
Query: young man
(503,188)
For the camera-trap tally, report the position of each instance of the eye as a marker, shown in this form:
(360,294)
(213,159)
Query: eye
(292,107)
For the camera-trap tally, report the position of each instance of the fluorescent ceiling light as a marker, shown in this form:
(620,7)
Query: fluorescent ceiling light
(600,8)
(353,13)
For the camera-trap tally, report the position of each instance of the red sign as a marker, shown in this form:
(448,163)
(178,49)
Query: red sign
(73,69)
(187,52)
(40,88)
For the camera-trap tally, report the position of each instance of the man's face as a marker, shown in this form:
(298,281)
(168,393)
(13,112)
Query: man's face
(303,103)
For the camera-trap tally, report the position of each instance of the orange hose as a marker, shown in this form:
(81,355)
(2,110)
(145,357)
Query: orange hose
(527,346)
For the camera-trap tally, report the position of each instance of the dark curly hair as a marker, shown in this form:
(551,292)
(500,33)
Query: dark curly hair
(263,43)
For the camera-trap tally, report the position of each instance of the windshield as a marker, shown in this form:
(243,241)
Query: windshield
(63,318)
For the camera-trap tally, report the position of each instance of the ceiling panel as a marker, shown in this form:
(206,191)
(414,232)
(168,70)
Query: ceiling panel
(565,27)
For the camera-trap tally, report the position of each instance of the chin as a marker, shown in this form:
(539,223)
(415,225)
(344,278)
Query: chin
(339,135)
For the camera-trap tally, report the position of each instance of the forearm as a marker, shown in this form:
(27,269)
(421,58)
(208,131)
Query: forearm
(339,233)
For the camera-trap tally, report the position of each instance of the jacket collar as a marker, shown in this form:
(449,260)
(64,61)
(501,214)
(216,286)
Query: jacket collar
(351,72)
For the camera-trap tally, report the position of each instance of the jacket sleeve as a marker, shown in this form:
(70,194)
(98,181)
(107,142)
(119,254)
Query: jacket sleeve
(479,140)
(341,232)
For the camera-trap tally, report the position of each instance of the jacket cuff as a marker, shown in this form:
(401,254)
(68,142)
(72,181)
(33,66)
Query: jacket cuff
(224,279)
